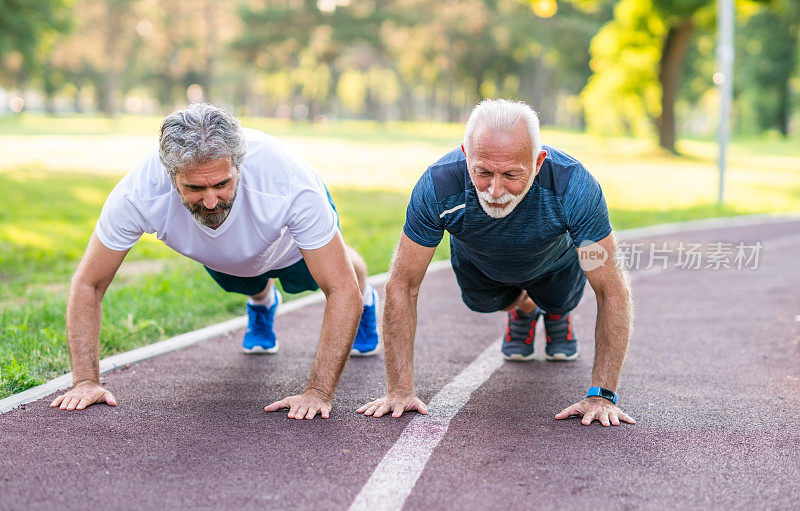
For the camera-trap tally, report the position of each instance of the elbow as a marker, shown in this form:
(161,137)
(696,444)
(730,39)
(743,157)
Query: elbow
(346,295)
(399,287)
(617,296)
(81,287)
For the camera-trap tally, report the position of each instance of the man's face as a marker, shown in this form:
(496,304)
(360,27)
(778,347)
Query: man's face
(208,190)
(502,168)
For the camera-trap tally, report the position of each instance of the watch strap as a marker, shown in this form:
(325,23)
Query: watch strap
(604,393)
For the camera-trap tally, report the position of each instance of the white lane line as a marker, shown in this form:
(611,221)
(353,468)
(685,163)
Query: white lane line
(397,473)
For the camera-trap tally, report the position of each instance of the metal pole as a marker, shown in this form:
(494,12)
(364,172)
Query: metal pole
(724,80)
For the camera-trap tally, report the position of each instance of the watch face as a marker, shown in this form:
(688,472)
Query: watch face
(608,395)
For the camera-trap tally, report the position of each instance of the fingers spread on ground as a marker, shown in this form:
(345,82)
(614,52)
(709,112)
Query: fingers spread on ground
(311,413)
(325,412)
(589,417)
(110,399)
(566,412)
(381,410)
(398,410)
(627,418)
(57,401)
(604,419)
(301,412)
(66,402)
(84,402)
(274,407)
(73,402)
(422,408)
(614,419)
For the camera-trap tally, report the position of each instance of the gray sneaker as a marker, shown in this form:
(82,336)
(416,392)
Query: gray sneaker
(561,343)
(518,343)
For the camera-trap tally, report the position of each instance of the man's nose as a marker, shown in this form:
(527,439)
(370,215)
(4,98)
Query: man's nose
(210,200)
(496,188)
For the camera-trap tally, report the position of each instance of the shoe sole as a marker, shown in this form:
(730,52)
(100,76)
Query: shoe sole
(518,357)
(355,353)
(561,357)
(258,350)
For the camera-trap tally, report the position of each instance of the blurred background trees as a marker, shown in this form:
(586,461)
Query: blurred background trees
(624,66)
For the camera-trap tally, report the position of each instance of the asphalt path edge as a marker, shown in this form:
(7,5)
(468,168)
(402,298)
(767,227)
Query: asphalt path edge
(209,332)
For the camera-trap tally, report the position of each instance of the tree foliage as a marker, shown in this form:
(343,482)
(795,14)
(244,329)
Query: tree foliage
(25,24)
(638,62)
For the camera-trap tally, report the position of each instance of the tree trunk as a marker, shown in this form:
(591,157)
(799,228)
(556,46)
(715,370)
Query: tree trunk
(671,68)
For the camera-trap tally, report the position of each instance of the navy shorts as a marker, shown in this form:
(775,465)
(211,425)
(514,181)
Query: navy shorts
(557,292)
(294,279)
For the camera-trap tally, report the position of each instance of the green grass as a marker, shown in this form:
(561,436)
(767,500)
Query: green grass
(49,214)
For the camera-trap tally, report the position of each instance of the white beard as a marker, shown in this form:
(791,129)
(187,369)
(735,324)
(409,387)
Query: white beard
(510,200)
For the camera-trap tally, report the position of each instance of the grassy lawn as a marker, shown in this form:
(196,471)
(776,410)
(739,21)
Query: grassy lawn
(51,207)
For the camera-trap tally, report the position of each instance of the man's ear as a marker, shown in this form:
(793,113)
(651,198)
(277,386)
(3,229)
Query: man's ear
(540,160)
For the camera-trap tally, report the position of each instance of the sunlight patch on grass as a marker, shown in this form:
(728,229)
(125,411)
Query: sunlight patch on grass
(25,238)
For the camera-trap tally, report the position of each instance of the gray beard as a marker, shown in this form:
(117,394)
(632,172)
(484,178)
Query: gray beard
(211,218)
(504,212)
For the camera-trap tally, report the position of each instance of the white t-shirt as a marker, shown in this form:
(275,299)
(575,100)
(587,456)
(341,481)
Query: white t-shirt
(281,204)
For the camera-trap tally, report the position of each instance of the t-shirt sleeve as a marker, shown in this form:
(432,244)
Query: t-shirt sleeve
(120,224)
(423,224)
(312,220)
(585,210)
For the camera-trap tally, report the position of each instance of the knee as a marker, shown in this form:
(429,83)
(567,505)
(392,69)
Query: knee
(359,265)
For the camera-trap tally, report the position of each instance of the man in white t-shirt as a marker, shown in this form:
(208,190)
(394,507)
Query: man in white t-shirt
(251,211)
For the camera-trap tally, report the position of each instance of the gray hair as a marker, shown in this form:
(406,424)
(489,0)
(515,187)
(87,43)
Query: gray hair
(199,134)
(503,115)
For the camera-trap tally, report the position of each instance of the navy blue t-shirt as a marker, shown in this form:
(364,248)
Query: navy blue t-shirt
(564,207)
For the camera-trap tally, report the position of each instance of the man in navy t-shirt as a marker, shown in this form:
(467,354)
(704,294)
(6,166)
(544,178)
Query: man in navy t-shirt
(528,225)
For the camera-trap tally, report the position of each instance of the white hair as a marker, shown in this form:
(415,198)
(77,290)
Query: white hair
(502,115)
(199,134)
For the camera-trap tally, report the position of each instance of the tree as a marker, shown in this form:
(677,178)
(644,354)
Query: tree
(641,53)
(767,57)
(23,24)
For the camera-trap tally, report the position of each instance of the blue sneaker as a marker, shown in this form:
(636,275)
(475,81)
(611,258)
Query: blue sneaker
(260,337)
(366,342)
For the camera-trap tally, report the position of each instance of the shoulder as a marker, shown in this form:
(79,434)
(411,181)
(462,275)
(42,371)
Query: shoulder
(148,180)
(266,150)
(270,165)
(449,175)
(557,170)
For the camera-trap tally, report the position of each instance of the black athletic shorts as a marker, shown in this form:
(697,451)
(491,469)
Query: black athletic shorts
(557,292)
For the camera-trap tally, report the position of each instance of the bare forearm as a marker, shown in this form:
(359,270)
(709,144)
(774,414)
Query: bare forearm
(83,331)
(399,329)
(612,335)
(339,325)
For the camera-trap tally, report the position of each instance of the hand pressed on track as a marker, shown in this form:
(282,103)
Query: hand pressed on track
(591,408)
(396,403)
(83,394)
(304,406)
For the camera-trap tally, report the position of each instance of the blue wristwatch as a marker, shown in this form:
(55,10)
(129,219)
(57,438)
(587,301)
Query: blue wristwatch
(604,393)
